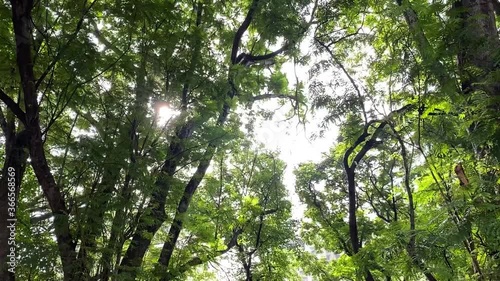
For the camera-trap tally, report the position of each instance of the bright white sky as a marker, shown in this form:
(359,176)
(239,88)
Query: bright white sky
(291,139)
(294,143)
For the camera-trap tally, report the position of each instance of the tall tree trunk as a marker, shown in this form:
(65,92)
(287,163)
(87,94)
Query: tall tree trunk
(350,170)
(12,175)
(192,186)
(21,18)
(353,224)
(155,215)
(139,244)
(479,45)
(177,224)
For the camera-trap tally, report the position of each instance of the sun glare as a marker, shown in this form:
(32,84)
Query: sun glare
(165,114)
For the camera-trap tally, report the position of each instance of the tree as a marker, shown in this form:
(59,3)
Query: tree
(418,55)
(105,186)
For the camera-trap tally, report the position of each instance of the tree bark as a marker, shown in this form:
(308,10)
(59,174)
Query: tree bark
(351,182)
(21,18)
(479,45)
(12,175)
(176,227)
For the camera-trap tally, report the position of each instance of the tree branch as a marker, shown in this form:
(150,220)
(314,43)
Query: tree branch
(233,241)
(241,30)
(269,55)
(3,122)
(13,106)
(97,33)
(272,96)
(353,83)
(63,48)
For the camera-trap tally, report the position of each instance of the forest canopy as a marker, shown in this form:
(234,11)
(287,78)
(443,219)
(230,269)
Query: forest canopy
(129,143)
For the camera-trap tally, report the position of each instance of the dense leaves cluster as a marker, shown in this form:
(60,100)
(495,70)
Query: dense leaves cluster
(85,87)
(410,189)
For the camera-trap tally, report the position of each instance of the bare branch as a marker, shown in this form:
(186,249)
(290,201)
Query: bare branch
(315,8)
(241,30)
(3,122)
(269,55)
(63,48)
(353,83)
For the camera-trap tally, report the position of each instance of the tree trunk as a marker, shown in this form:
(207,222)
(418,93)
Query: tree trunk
(176,227)
(139,244)
(191,187)
(12,175)
(21,18)
(478,45)
(353,224)
(350,171)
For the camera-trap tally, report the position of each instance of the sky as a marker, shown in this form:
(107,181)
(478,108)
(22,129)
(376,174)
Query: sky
(295,145)
(293,140)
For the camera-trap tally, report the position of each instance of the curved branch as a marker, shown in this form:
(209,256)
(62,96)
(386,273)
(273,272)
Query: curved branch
(269,55)
(241,30)
(13,106)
